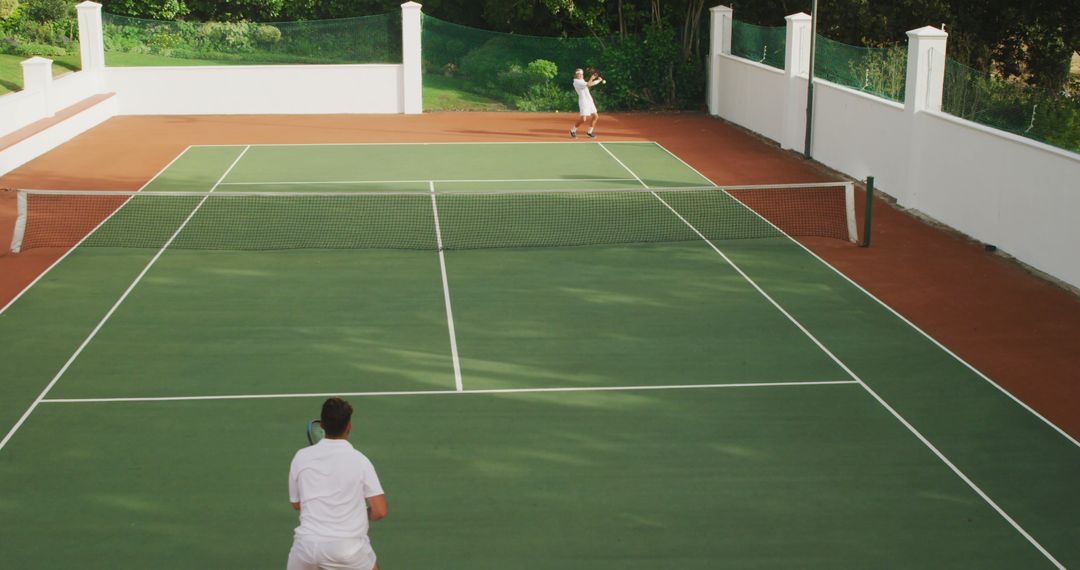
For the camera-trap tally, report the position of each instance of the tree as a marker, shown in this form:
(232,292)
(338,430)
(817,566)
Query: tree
(47,10)
(150,9)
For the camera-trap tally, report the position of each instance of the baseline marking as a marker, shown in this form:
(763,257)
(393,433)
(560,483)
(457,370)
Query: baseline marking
(112,310)
(418,143)
(859,380)
(445,392)
(501,180)
(446,292)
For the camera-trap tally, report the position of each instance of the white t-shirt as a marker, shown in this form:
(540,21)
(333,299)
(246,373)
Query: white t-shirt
(330,480)
(584,98)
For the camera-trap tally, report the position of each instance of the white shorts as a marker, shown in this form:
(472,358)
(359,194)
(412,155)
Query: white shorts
(587,108)
(349,554)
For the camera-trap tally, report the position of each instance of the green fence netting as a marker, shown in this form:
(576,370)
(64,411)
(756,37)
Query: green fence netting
(138,42)
(1040,114)
(759,43)
(878,71)
(532,73)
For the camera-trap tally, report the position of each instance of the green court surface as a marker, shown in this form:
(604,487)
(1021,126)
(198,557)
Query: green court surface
(730,403)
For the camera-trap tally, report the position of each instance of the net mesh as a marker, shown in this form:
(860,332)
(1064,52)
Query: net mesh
(1039,114)
(138,42)
(262,221)
(759,43)
(879,71)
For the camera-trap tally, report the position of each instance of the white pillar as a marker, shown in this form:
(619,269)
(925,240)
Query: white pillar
(720,34)
(925,69)
(412,77)
(797,56)
(922,92)
(37,79)
(797,71)
(91,37)
(720,29)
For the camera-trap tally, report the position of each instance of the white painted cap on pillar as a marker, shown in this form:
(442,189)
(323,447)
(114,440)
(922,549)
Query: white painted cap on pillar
(37,72)
(928,32)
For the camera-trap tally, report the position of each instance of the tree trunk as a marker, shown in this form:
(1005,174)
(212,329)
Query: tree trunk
(622,23)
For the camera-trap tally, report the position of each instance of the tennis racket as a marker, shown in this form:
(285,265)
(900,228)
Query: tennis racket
(314,432)
(589,71)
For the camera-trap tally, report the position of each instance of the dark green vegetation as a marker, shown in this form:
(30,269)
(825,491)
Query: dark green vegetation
(800,475)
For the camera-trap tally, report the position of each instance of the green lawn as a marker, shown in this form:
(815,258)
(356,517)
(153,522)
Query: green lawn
(11,73)
(444,94)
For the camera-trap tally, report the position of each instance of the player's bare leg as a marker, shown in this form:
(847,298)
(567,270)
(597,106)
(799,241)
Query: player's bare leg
(581,121)
(592,124)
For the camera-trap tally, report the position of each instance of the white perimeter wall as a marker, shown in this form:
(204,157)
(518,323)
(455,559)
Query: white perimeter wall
(55,135)
(1020,195)
(859,134)
(752,94)
(21,108)
(298,89)
(231,90)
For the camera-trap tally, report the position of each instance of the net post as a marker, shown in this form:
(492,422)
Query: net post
(869,211)
(849,212)
(20,221)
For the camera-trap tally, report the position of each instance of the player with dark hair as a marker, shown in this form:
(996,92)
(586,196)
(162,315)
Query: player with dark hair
(338,494)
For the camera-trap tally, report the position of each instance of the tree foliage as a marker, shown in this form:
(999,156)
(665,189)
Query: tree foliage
(1032,40)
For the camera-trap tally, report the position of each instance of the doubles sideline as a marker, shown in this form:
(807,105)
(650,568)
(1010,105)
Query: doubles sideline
(911,428)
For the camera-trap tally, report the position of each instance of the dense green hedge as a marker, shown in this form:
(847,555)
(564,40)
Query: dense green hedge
(371,39)
(644,72)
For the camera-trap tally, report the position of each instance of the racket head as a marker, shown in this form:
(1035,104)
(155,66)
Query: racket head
(314,432)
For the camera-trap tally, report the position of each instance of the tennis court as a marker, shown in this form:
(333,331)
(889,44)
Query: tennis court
(629,371)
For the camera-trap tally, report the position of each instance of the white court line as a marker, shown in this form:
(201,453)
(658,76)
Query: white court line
(90,233)
(446,292)
(425,181)
(414,143)
(446,392)
(112,310)
(899,316)
(867,388)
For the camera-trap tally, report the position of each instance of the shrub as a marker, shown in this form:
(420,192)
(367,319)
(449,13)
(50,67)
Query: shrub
(61,33)
(48,10)
(32,49)
(484,64)
(549,97)
(265,34)
(541,70)
(8,8)
(225,36)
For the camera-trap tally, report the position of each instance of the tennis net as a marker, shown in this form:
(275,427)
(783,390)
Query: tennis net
(428,221)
